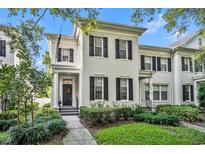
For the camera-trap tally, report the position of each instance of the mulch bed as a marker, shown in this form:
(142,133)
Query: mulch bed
(94,129)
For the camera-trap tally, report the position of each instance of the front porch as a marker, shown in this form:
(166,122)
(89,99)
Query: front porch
(66,90)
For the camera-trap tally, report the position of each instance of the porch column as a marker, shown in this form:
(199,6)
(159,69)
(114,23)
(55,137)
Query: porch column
(80,89)
(55,90)
(151,92)
(195,93)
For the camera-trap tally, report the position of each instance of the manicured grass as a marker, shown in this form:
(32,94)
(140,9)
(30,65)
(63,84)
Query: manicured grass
(3,136)
(148,134)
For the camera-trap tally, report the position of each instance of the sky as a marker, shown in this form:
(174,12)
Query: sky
(155,35)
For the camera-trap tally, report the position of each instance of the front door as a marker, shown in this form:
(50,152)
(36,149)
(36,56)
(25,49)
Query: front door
(67,94)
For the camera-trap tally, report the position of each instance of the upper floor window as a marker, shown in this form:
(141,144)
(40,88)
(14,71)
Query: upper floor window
(148,63)
(98,43)
(155,63)
(187,64)
(200,65)
(200,42)
(65,55)
(164,64)
(3,48)
(188,93)
(123,49)
(98,46)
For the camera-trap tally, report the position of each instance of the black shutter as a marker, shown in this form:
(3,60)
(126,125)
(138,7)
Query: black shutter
(71,55)
(129,49)
(142,62)
(192,93)
(106,88)
(59,54)
(184,97)
(154,63)
(92,88)
(169,65)
(117,88)
(158,63)
(3,48)
(105,47)
(130,89)
(183,67)
(190,65)
(117,54)
(91,45)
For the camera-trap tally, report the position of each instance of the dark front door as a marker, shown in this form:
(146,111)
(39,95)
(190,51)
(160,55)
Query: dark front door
(67,94)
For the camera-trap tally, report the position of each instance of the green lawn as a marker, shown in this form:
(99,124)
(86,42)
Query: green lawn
(3,136)
(147,134)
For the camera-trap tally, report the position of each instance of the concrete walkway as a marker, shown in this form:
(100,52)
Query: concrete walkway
(185,124)
(77,134)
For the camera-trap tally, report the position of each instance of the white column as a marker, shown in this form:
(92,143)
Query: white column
(151,92)
(80,96)
(55,90)
(195,93)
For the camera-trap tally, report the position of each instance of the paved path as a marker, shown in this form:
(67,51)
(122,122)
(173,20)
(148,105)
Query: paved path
(78,134)
(185,124)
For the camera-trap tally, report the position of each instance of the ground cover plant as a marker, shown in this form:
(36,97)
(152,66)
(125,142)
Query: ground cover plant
(148,134)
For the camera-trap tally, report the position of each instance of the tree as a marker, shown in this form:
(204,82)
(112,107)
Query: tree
(177,20)
(201,94)
(47,61)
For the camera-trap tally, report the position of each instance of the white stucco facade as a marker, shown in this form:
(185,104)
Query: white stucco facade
(77,73)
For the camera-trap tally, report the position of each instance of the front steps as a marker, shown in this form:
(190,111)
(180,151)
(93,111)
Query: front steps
(68,110)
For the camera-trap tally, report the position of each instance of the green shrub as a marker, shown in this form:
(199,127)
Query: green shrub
(160,119)
(56,126)
(43,117)
(29,135)
(47,105)
(184,112)
(11,114)
(6,124)
(201,94)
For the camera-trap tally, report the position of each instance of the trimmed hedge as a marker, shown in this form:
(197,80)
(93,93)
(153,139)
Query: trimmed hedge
(159,119)
(184,112)
(104,115)
(6,124)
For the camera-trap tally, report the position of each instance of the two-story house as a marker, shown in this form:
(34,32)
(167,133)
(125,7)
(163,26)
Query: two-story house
(109,65)
(6,57)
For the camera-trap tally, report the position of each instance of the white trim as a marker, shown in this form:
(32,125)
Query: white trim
(102,55)
(125,100)
(102,88)
(73,89)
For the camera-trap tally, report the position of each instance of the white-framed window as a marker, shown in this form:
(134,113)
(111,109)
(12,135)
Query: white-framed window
(147,92)
(66,55)
(123,89)
(188,93)
(148,63)
(164,64)
(98,88)
(160,92)
(186,64)
(123,49)
(98,46)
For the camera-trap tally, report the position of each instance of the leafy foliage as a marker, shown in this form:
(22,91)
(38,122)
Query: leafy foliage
(159,119)
(147,134)
(6,124)
(185,112)
(201,94)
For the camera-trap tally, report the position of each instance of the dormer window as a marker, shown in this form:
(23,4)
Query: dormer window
(2,48)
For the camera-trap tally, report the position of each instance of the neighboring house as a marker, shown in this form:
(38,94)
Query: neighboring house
(109,65)
(6,57)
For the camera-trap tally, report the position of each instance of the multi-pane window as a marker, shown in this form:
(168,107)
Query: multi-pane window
(148,63)
(187,92)
(122,49)
(164,64)
(186,64)
(66,55)
(98,43)
(160,92)
(98,89)
(123,89)
(2,48)
(147,92)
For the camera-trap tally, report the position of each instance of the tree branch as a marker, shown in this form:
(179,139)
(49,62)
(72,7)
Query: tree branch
(39,18)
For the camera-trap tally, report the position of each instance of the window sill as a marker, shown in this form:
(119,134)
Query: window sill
(123,59)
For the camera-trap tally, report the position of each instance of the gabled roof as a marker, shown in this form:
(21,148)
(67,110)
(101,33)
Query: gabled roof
(183,41)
